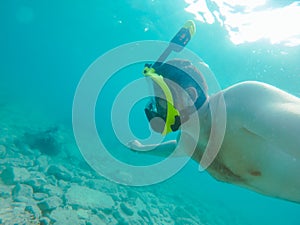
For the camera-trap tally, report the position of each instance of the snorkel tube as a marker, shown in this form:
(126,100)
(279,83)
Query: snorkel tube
(179,41)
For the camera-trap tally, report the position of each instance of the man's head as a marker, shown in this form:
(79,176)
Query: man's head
(188,89)
(187,76)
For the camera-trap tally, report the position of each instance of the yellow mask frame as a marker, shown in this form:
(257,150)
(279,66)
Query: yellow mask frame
(172,112)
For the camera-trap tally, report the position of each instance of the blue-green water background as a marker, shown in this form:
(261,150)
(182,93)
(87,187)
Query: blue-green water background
(45,47)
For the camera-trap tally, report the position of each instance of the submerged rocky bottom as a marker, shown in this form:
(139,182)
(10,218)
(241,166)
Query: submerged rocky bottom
(43,183)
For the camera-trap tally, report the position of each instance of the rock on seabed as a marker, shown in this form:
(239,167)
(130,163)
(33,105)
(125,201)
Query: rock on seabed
(12,175)
(86,198)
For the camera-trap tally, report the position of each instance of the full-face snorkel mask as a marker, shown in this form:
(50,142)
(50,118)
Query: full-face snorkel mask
(166,109)
(160,107)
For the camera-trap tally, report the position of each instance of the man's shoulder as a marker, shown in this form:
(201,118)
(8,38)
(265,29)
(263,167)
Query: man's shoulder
(249,87)
(253,93)
(251,97)
(248,99)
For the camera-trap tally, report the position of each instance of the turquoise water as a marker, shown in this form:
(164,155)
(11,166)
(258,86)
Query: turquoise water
(46,46)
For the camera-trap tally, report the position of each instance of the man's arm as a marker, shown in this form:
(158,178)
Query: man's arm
(271,114)
(279,123)
(163,149)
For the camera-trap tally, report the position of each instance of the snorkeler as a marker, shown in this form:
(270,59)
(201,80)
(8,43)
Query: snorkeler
(261,145)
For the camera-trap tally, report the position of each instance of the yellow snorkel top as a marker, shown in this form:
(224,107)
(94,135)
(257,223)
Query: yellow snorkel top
(190,25)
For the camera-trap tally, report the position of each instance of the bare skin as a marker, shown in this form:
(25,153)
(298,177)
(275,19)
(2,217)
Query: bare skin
(261,146)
